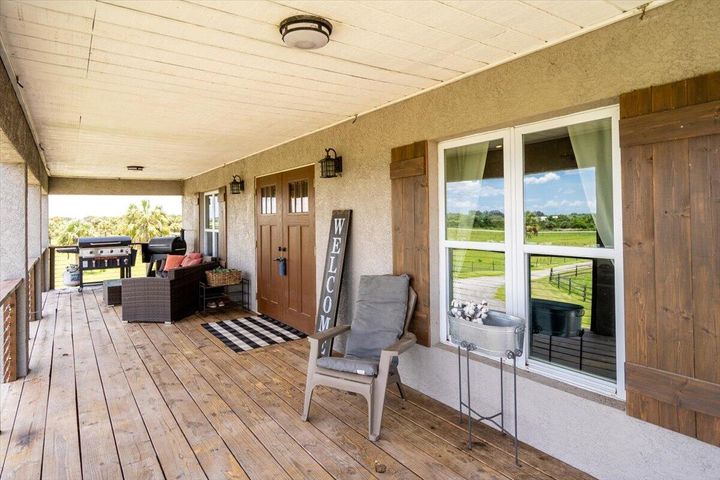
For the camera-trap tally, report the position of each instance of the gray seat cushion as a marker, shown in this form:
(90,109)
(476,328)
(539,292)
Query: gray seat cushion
(351,364)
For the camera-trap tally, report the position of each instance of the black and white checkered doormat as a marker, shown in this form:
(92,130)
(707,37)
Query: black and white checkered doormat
(252,332)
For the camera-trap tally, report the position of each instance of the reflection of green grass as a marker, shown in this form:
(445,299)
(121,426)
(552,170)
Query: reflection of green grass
(477,263)
(542,288)
(573,238)
(62,260)
(475,235)
(567,238)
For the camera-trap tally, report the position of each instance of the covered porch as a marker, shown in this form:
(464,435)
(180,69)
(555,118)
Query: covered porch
(105,399)
(556,161)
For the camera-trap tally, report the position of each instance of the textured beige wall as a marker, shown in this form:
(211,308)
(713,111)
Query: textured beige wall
(676,41)
(15,135)
(109,186)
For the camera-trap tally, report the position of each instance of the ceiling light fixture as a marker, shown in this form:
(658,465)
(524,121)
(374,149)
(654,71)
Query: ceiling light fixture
(135,168)
(306,32)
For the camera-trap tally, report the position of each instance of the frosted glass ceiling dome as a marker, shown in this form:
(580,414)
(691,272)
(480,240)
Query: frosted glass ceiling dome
(306,32)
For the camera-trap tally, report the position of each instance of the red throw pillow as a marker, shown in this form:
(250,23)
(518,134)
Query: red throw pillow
(191,257)
(173,261)
(191,262)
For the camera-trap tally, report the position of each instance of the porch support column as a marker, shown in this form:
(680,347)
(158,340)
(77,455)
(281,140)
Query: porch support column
(34,220)
(45,241)
(14,247)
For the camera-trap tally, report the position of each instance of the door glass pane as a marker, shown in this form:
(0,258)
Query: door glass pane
(475,192)
(572,313)
(477,275)
(568,185)
(268,200)
(298,193)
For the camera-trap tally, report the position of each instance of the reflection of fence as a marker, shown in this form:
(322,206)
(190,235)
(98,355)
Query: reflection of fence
(573,281)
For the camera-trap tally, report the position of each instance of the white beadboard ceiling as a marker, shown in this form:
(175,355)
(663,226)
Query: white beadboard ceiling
(182,87)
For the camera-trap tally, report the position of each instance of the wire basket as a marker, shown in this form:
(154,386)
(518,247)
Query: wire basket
(223,278)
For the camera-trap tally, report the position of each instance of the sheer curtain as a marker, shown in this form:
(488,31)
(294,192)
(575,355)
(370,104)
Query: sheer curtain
(466,164)
(592,146)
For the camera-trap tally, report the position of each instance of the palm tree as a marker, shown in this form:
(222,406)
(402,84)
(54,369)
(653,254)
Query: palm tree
(144,222)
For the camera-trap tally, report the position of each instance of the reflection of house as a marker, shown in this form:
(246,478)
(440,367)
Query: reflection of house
(200,93)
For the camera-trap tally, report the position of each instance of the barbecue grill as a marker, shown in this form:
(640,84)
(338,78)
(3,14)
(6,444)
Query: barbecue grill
(99,253)
(157,249)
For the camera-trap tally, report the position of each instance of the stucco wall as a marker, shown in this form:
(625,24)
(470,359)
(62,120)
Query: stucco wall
(672,42)
(113,186)
(16,130)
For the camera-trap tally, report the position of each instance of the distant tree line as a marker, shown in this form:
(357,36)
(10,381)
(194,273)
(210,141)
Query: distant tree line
(141,222)
(495,220)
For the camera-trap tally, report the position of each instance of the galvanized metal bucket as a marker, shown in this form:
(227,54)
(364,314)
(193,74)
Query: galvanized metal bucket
(498,334)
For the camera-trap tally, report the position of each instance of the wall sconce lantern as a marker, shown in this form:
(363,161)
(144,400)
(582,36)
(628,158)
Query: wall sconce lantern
(237,185)
(331,166)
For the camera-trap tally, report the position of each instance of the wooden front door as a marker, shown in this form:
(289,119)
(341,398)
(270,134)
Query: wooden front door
(285,211)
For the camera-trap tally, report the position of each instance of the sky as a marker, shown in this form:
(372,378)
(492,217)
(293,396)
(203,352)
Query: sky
(79,206)
(553,193)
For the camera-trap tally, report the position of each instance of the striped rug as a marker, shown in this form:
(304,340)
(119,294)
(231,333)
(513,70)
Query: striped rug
(252,332)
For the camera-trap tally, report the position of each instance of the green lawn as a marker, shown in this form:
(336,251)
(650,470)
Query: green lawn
(64,259)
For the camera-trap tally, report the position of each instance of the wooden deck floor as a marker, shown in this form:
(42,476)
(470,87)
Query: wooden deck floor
(111,400)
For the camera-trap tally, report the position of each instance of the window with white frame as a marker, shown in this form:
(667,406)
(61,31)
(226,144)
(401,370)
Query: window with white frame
(531,224)
(211,224)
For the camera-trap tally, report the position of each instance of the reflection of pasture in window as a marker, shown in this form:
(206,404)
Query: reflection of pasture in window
(572,313)
(475,192)
(568,185)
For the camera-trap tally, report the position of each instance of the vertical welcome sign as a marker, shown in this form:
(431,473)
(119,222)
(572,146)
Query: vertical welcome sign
(332,277)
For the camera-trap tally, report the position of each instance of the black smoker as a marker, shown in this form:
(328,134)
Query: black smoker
(157,249)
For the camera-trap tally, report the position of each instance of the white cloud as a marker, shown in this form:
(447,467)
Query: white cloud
(539,180)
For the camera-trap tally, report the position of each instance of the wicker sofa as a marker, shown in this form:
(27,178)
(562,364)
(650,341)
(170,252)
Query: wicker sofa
(163,300)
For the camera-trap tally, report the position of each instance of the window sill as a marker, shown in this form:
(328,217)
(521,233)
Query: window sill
(609,400)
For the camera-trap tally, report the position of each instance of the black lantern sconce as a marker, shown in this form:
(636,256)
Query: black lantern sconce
(237,185)
(331,166)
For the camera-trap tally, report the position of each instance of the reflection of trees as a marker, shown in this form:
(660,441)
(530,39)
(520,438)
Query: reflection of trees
(495,220)
(141,222)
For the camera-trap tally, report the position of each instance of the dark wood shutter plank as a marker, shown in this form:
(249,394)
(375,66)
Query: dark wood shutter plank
(639,255)
(672,275)
(705,224)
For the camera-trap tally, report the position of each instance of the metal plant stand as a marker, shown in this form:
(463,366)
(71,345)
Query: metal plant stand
(509,354)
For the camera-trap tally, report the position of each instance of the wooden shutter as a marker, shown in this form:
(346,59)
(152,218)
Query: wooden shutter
(670,140)
(410,220)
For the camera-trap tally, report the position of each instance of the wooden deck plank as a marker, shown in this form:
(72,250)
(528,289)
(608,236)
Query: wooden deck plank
(176,457)
(404,445)
(211,451)
(252,455)
(334,459)
(100,456)
(398,435)
(156,401)
(61,452)
(138,459)
(483,434)
(13,393)
(291,456)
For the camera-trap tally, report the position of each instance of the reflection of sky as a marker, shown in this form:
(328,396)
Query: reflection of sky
(552,193)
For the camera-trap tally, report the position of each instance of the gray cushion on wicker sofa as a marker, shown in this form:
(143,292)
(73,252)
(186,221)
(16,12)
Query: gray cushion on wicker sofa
(379,321)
